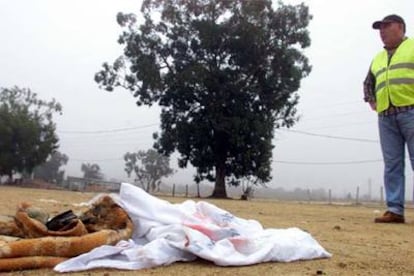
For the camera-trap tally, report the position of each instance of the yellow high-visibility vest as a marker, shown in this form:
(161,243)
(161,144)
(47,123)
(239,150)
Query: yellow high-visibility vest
(394,80)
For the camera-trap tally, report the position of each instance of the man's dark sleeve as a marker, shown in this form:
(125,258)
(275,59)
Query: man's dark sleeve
(369,87)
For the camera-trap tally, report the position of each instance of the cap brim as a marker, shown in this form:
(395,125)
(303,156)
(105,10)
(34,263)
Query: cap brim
(376,25)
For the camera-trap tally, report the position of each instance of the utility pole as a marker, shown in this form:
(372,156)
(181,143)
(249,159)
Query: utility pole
(357,196)
(369,189)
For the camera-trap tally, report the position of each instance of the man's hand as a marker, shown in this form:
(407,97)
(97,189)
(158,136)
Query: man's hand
(373,105)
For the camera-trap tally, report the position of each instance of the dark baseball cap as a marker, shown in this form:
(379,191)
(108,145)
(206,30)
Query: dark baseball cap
(388,19)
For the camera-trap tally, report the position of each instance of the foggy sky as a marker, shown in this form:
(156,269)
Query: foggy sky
(55,48)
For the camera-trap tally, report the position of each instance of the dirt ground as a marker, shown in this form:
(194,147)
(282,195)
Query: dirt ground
(359,246)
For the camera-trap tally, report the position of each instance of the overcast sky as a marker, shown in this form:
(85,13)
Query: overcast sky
(55,48)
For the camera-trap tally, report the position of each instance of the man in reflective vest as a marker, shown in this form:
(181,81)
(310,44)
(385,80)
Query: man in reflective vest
(389,90)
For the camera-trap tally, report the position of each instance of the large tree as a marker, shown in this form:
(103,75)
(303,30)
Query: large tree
(50,170)
(225,74)
(27,131)
(149,167)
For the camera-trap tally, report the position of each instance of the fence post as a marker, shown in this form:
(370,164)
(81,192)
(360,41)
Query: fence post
(330,196)
(186,190)
(357,196)
(173,190)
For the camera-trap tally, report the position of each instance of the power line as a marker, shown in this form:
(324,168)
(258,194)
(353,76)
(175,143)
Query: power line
(353,124)
(95,160)
(333,137)
(328,163)
(276,161)
(324,106)
(305,118)
(341,103)
(106,130)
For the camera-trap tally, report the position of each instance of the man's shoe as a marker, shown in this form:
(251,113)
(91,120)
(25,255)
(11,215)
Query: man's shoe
(389,217)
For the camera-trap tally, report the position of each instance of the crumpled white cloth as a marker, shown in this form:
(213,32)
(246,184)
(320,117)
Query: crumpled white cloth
(165,233)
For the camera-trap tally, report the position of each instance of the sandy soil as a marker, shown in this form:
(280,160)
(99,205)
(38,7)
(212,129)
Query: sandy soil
(359,246)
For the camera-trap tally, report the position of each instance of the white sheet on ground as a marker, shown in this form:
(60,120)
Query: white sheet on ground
(165,233)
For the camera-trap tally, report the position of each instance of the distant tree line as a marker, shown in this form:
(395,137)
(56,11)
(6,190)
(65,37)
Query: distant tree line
(29,143)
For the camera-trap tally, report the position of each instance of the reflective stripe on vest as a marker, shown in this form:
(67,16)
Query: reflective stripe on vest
(394,82)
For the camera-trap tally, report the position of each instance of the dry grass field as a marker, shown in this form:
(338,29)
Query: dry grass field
(359,246)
